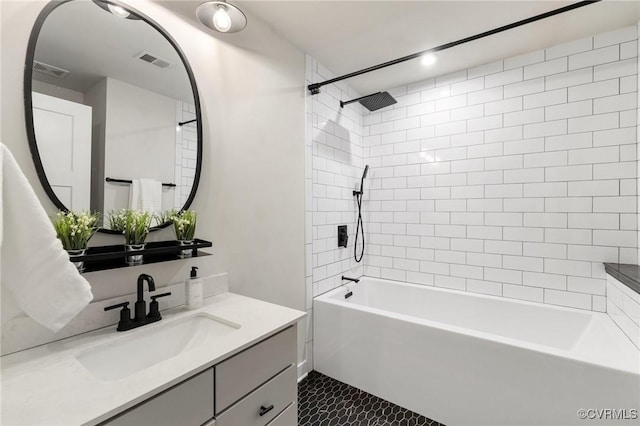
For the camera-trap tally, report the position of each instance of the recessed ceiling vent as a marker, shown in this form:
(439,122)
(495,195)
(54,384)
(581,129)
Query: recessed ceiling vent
(153,59)
(49,70)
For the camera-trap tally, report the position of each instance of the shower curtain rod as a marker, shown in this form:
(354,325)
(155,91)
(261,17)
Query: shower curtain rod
(314,88)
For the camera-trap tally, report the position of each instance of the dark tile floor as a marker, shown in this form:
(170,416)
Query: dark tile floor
(323,401)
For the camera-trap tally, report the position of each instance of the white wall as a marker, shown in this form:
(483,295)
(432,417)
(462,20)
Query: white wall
(251,195)
(516,178)
(140,137)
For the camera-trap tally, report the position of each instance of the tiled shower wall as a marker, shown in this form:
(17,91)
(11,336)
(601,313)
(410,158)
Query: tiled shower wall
(623,306)
(186,153)
(334,165)
(335,150)
(515,179)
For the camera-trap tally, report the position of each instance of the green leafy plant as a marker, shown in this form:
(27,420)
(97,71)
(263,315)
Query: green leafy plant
(75,229)
(166,216)
(134,224)
(184,224)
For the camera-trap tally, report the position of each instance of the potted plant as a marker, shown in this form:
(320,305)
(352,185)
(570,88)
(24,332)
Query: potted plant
(74,230)
(184,225)
(134,225)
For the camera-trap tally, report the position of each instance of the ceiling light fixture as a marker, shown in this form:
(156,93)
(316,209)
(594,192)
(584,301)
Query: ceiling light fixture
(119,11)
(221,16)
(116,9)
(428,59)
(221,19)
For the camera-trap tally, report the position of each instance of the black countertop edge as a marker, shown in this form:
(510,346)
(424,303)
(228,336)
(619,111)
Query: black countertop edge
(628,275)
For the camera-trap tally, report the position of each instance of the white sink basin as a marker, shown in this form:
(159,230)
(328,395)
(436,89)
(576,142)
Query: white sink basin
(152,344)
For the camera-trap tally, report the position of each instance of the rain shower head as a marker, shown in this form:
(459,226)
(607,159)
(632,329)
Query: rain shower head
(378,101)
(373,102)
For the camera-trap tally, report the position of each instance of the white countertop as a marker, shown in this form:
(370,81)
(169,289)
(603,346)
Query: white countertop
(46,385)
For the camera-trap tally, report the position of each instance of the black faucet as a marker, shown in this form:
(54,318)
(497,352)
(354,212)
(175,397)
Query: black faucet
(355,280)
(141,305)
(141,317)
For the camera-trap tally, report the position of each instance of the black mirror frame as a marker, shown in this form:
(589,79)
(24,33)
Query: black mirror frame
(28,104)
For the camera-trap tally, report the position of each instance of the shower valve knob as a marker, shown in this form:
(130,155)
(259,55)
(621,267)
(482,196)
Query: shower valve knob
(343,237)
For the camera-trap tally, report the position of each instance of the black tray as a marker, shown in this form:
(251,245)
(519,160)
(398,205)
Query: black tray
(110,257)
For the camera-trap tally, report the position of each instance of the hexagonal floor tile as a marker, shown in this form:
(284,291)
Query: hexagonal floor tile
(323,400)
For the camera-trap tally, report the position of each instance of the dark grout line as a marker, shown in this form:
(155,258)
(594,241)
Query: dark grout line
(323,401)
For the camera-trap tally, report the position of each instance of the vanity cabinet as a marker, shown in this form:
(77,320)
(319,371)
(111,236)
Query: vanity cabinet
(264,404)
(256,387)
(288,417)
(188,403)
(246,371)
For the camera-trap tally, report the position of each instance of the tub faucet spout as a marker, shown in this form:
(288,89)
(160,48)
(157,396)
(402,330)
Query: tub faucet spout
(355,280)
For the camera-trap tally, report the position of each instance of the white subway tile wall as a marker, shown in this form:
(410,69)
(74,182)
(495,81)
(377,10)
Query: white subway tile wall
(515,179)
(627,84)
(623,306)
(186,153)
(333,167)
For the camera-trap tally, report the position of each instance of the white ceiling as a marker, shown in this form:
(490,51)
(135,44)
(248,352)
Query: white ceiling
(92,44)
(346,36)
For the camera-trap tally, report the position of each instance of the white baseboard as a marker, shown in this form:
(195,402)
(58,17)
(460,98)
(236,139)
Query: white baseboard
(302,370)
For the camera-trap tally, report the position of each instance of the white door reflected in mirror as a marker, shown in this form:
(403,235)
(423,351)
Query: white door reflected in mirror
(63,130)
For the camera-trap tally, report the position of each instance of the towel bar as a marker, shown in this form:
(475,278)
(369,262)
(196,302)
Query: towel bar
(108,179)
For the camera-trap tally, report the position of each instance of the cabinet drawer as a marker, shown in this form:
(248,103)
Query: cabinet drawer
(189,403)
(272,397)
(244,372)
(288,417)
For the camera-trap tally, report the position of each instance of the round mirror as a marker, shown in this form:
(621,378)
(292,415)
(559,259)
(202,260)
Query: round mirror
(112,111)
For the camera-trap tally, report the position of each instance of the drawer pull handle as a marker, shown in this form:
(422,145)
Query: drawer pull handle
(264,410)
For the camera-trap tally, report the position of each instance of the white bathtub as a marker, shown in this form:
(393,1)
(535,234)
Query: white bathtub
(466,359)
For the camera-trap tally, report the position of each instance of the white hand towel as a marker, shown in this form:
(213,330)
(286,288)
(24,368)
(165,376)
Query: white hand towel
(146,195)
(35,273)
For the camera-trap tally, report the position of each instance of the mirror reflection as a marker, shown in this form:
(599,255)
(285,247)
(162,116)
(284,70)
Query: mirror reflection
(113,112)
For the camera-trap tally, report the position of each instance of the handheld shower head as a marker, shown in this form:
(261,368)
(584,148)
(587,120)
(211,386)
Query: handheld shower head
(364,176)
